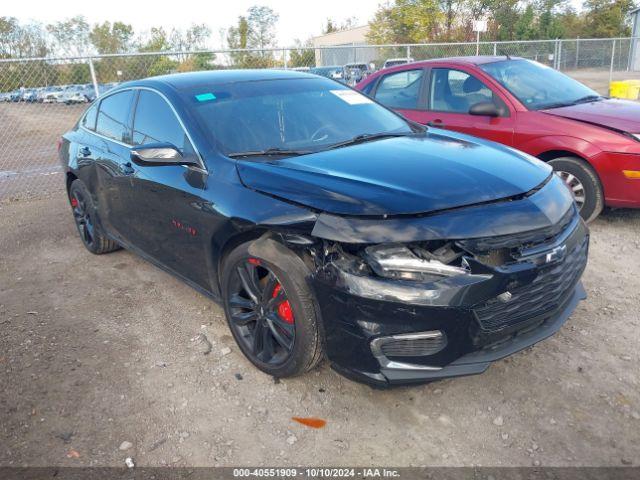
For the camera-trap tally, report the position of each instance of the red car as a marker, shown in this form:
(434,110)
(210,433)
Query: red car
(592,142)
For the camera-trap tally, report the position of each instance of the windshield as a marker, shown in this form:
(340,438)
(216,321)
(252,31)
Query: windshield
(537,86)
(308,114)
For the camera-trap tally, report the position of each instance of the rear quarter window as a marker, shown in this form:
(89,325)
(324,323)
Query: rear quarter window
(89,119)
(113,116)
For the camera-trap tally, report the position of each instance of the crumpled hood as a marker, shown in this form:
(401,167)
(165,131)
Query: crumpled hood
(622,115)
(398,176)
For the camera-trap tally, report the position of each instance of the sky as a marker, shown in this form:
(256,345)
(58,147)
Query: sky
(298,19)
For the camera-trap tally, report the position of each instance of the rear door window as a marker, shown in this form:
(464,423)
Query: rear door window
(113,116)
(400,89)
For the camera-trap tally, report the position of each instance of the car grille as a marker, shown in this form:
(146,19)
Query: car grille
(521,240)
(548,292)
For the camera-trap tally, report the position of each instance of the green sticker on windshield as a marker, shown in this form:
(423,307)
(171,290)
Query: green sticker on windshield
(205,97)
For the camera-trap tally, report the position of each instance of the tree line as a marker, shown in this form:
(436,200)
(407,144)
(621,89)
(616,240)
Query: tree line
(419,21)
(397,21)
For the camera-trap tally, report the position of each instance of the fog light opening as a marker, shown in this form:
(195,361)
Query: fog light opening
(420,344)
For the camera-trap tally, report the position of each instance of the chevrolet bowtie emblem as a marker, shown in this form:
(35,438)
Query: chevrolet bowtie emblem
(556,254)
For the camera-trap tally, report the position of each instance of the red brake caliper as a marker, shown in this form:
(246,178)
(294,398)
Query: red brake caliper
(284,309)
(74,202)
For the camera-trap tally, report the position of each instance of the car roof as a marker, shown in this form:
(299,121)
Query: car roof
(472,60)
(183,81)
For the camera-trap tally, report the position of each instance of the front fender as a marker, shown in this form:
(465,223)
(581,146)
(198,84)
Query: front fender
(577,146)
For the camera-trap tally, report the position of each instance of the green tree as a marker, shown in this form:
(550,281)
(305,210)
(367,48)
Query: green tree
(238,39)
(71,36)
(194,38)
(330,27)
(112,38)
(255,30)
(405,21)
(505,16)
(303,55)
(262,25)
(607,18)
(21,40)
(156,41)
(525,27)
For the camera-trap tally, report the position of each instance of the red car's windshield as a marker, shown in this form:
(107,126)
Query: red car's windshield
(537,86)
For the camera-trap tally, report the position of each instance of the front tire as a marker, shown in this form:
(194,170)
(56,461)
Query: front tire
(584,184)
(270,310)
(86,219)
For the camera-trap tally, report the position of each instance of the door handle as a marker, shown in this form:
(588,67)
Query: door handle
(84,152)
(436,123)
(127,169)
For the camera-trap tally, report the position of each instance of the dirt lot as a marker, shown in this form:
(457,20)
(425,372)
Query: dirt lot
(99,350)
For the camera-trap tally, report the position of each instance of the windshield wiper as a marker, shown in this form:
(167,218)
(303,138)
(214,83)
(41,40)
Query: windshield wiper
(366,137)
(274,152)
(588,98)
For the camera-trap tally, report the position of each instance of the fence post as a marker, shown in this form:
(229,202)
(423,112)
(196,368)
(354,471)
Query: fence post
(408,52)
(560,55)
(613,54)
(495,48)
(284,57)
(577,52)
(92,71)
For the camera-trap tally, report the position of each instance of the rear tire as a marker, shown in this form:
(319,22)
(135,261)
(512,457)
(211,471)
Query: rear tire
(86,219)
(584,184)
(287,270)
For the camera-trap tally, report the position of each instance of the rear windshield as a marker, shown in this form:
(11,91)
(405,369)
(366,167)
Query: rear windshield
(292,114)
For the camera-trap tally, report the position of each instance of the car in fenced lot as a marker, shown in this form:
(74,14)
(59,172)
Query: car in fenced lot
(29,95)
(592,142)
(392,62)
(72,94)
(334,72)
(352,73)
(326,223)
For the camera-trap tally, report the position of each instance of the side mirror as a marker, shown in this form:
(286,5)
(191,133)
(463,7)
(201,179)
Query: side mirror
(485,109)
(159,154)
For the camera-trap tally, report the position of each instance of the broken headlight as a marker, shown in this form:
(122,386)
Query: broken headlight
(402,262)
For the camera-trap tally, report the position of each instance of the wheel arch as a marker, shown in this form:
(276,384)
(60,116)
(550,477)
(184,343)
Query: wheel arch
(221,252)
(70,177)
(549,155)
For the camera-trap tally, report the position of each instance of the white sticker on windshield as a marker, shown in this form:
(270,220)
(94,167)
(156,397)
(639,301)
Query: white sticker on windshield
(351,97)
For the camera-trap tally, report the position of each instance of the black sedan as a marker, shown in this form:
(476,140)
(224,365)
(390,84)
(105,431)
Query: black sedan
(327,225)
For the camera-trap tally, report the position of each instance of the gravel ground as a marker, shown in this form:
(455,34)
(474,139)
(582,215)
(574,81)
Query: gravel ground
(103,358)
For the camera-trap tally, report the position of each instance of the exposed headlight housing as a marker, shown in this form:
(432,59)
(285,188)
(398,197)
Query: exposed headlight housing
(398,261)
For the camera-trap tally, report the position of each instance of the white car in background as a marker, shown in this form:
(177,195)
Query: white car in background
(392,62)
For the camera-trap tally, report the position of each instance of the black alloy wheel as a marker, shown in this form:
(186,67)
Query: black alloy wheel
(260,313)
(86,220)
(82,217)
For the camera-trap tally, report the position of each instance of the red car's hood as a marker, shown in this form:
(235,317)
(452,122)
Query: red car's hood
(623,115)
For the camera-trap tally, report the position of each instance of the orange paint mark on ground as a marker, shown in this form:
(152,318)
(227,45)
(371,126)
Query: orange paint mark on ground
(310,421)
(73,454)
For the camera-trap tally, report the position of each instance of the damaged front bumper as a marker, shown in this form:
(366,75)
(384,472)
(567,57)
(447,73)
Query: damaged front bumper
(386,332)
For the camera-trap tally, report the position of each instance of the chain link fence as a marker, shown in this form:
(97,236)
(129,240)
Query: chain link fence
(42,98)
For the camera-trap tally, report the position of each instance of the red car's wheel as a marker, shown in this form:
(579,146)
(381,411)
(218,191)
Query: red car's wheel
(583,183)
